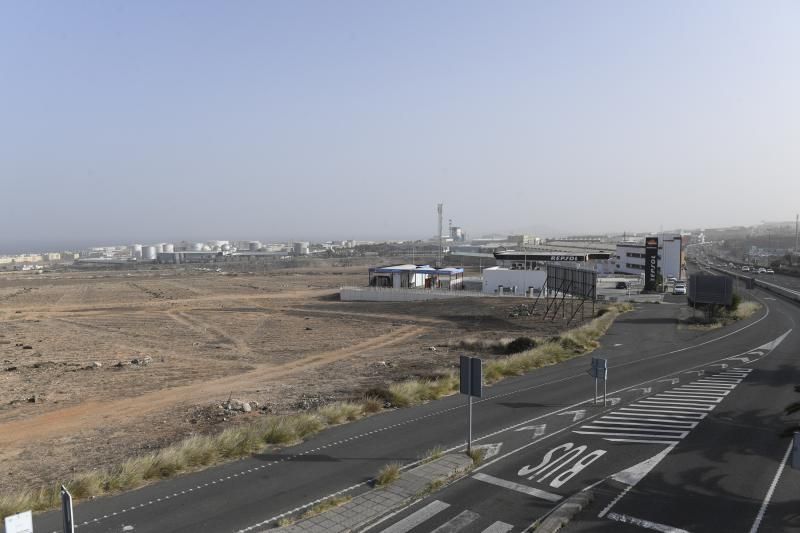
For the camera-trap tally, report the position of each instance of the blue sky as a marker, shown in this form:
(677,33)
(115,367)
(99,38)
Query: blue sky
(151,121)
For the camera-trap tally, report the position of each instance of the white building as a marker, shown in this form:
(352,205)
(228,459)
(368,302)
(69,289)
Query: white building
(629,258)
(500,280)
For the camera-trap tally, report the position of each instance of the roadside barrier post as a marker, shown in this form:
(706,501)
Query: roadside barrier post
(796,450)
(66,509)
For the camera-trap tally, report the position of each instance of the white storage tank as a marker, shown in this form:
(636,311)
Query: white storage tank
(197,247)
(169,248)
(149,253)
(136,251)
(254,246)
(301,248)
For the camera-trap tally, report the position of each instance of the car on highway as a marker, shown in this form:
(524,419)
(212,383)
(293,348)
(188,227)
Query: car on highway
(770,271)
(680,288)
(745,269)
(762,270)
(622,285)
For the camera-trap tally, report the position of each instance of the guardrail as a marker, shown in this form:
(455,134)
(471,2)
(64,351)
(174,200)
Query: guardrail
(790,294)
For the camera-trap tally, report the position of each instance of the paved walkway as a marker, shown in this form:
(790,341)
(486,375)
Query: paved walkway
(368,507)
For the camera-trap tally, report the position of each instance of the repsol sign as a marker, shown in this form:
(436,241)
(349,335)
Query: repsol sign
(650,263)
(565,258)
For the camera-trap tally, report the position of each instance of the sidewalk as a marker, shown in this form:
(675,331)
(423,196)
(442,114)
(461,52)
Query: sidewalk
(368,507)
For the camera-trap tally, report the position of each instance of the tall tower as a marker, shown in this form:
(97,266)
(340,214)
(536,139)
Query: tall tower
(439,234)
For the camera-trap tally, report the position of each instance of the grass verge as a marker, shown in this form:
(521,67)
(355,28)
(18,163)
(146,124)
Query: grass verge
(327,505)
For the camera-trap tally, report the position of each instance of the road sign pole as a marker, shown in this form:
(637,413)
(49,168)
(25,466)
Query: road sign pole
(605,389)
(595,390)
(469,425)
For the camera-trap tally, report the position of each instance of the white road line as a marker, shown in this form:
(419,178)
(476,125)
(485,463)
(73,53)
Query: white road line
(617,422)
(458,522)
(702,392)
(768,497)
(498,527)
(672,407)
(524,489)
(682,434)
(644,430)
(645,418)
(642,441)
(690,396)
(413,520)
(647,524)
(662,413)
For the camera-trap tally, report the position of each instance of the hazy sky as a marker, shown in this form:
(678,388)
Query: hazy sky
(160,120)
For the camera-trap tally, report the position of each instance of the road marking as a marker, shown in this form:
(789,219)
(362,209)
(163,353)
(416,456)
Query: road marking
(498,527)
(413,520)
(661,412)
(640,435)
(578,414)
(660,424)
(634,474)
(645,390)
(768,497)
(458,522)
(682,405)
(673,381)
(646,429)
(642,441)
(698,372)
(524,489)
(538,431)
(491,449)
(645,418)
(647,524)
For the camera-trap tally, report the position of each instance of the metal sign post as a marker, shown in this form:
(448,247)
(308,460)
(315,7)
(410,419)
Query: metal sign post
(66,508)
(471,384)
(598,371)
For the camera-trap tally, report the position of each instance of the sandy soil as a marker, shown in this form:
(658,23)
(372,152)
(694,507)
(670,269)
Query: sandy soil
(71,400)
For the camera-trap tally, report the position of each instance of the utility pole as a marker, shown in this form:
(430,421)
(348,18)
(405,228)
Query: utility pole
(796,220)
(439,235)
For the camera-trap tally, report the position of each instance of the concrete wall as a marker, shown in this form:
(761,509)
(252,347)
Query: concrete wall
(520,280)
(376,294)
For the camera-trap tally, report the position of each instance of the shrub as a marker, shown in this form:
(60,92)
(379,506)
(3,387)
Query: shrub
(520,344)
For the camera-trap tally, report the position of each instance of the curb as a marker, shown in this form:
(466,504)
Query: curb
(561,515)
(368,507)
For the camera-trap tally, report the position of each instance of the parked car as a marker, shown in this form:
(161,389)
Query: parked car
(672,279)
(622,285)
(762,270)
(770,271)
(745,269)
(679,289)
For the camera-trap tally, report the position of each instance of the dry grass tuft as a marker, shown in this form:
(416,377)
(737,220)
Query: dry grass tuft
(387,475)
(339,412)
(326,505)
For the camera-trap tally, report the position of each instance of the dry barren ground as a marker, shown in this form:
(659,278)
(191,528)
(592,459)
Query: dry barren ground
(71,399)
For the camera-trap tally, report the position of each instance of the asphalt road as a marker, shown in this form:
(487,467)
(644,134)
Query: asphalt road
(523,418)
(694,449)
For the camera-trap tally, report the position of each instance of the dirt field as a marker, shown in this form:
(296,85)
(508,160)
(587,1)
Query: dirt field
(96,367)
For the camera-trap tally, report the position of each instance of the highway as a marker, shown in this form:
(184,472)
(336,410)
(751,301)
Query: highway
(707,406)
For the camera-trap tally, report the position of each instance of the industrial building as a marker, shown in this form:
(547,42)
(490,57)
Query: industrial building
(416,277)
(630,256)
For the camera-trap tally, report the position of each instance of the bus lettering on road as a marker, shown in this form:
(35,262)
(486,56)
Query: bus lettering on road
(565,460)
